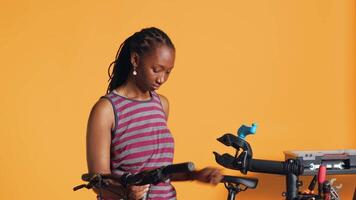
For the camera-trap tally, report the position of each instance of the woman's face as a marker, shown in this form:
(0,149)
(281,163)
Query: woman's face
(154,67)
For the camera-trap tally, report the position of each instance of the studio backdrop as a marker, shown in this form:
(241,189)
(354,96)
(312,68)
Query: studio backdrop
(288,65)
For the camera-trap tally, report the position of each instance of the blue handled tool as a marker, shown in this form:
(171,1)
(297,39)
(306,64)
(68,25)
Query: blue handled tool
(243,131)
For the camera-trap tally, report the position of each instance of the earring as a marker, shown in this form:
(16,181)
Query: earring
(134,72)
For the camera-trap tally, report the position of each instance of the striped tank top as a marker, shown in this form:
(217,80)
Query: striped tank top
(141,140)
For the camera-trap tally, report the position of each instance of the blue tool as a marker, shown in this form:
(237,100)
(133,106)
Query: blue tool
(243,131)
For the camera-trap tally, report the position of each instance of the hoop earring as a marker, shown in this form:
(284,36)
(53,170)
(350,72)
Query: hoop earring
(134,72)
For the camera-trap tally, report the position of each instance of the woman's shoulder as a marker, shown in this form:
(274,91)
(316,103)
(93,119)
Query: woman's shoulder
(163,98)
(165,104)
(102,108)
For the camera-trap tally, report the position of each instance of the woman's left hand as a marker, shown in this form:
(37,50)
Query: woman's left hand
(208,175)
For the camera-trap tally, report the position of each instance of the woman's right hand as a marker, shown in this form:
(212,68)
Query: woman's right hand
(137,192)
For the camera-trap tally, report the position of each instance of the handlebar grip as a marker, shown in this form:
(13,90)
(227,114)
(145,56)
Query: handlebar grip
(178,168)
(266,166)
(276,167)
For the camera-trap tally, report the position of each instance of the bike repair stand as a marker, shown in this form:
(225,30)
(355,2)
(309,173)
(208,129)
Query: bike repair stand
(244,162)
(233,190)
(293,184)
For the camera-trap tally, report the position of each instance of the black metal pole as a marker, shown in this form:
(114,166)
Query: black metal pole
(231,195)
(292,186)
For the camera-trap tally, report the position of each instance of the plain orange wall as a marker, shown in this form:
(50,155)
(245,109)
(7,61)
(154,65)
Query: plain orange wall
(287,65)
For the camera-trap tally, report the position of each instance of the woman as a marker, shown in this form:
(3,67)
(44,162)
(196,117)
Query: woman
(127,128)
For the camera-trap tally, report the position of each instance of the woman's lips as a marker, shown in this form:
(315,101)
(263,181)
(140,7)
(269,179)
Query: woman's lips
(155,87)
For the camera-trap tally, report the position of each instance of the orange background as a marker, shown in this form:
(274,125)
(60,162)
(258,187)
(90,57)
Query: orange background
(287,65)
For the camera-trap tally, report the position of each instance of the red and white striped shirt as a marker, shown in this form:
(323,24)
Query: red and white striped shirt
(141,140)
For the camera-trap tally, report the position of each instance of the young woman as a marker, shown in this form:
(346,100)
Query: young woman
(127,129)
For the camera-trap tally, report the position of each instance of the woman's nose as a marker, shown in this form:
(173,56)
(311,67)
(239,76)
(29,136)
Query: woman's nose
(161,79)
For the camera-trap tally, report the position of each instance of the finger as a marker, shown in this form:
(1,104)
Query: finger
(137,195)
(215,176)
(139,188)
(218,173)
(143,192)
(138,192)
(216,180)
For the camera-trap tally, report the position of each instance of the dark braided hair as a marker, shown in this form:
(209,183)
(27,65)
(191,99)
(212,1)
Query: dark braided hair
(140,42)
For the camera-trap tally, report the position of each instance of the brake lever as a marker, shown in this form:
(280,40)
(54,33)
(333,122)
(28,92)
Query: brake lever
(94,180)
(78,187)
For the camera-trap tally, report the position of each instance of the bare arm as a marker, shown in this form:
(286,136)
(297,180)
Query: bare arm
(100,123)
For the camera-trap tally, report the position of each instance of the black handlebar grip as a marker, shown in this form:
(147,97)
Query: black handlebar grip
(276,167)
(267,166)
(178,168)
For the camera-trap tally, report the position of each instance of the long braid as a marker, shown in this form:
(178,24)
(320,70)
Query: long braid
(140,42)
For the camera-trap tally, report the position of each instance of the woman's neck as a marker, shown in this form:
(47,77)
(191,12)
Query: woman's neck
(130,90)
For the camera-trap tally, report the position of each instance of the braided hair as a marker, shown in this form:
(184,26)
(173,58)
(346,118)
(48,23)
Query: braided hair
(140,42)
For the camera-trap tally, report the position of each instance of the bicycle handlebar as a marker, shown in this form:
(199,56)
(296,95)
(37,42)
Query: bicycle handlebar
(153,176)
(156,176)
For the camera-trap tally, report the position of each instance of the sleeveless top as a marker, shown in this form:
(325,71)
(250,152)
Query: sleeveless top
(141,140)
